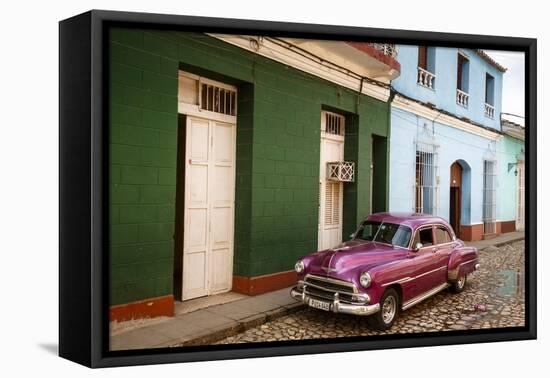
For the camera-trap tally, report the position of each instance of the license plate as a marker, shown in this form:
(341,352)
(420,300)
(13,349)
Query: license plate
(325,306)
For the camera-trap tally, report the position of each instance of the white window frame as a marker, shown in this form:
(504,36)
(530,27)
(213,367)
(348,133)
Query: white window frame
(195,108)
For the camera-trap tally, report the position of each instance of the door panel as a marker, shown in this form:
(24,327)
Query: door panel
(429,263)
(220,275)
(195,274)
(197,230)
(209,207)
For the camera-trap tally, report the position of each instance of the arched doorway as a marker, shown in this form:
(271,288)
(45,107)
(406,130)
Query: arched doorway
(455,197)
(459,196)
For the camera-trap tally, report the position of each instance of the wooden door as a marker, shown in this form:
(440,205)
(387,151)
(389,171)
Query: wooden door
(455,197)
(209,207)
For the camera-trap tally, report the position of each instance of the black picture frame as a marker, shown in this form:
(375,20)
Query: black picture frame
(83,228)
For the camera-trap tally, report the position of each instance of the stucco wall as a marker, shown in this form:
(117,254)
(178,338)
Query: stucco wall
(454,145)
(509,150)
(278,136)
(444,93)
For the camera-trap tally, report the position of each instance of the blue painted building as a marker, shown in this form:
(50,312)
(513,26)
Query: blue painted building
(446,139)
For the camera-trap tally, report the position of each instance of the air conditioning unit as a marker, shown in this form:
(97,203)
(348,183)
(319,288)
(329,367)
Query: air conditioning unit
(341,171)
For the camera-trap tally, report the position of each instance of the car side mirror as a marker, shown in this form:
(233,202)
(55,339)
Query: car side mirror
(417,246)
(352,235)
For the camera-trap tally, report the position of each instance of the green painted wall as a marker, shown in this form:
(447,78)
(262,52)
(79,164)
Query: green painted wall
(509,150)
(278,136)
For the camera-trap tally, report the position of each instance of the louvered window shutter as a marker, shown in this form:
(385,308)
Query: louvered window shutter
(332,203)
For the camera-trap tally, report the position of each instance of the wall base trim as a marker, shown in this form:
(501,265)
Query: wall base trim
(471,232)
(474,232)
(507,226)
(147,308)
(263,284)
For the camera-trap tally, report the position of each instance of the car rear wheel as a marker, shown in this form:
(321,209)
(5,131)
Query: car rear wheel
(389,309)
(459,284)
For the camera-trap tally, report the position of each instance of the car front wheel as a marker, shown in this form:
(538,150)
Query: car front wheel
(389,309)
(459,284)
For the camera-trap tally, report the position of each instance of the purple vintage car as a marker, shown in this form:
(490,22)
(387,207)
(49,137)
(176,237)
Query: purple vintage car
(392,262)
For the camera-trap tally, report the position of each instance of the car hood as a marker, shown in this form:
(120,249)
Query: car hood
(351,258)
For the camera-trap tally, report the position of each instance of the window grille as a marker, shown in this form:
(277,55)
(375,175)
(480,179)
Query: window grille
(333,123)
(489,197)
(217,99)
(332,203)
(426,188)
(197,94)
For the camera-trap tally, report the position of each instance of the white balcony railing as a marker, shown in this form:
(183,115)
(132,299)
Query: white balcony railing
(462,98)
(425,78)
(489,111)
(386,48)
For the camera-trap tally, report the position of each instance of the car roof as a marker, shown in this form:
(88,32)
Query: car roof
(413,220)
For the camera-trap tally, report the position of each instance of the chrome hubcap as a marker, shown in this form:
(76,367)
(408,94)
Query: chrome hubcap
(461,281)
(388,309)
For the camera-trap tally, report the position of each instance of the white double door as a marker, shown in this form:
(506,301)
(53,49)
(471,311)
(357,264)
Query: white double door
(209,207)
(331,193)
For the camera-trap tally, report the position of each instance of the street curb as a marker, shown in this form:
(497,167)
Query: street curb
(242,326)
(500,244)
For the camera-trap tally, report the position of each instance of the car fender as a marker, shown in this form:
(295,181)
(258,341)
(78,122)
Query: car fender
(461,261)
(390,274)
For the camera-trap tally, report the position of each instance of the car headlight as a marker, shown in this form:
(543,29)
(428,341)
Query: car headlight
(299,267)
(365,280)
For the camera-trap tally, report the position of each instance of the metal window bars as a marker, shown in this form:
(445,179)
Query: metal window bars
(426,186)
(489,197)
(333,123)
(218,99)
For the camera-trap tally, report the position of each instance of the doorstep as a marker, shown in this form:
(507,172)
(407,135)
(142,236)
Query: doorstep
(207,325)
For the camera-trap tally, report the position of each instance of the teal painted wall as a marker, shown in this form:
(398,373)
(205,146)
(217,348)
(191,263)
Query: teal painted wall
(278,136)
(509,150)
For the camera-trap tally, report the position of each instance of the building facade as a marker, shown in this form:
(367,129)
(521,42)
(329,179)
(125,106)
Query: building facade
(448,152)
(512,173)
(232,156)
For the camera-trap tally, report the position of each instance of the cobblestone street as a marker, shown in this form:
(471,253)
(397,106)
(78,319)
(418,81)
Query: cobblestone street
(493,298)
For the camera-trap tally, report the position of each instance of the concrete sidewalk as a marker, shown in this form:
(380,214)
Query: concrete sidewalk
(208,325)
(509,237)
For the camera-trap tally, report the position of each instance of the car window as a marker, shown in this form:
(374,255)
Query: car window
(393,234)
(442,236)
(389,233)
(424,236)
(367,230)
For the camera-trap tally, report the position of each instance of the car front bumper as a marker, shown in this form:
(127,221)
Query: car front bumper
(336,305)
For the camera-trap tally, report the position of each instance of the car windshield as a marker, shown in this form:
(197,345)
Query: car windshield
(389,233)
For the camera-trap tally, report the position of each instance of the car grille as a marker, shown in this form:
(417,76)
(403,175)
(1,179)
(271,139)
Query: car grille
(325,288)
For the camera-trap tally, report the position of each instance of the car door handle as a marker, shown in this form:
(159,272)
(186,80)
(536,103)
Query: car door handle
(434,250)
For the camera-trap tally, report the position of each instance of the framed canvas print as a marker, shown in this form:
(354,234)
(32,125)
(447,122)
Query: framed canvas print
(234,188)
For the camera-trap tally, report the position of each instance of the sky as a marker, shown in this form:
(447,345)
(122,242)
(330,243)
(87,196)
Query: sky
(513,92)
